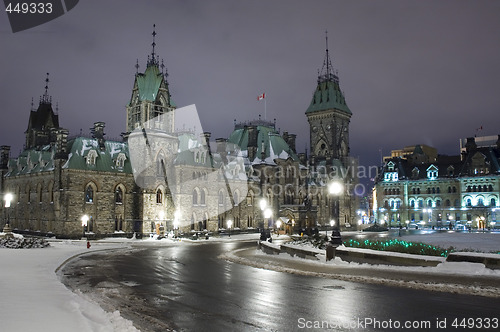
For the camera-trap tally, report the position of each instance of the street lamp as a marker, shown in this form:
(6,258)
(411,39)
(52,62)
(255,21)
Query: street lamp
(229,224)
(85,220)
(177,217)
(278,226)
(335,189)
(8,198)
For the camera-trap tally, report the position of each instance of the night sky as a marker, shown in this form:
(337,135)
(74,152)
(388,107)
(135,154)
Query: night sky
(412,71)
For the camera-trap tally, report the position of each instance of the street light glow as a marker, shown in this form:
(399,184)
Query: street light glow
(229,223)
(268,213)
(263,204)
(8,198)
(85,220)
(335,188)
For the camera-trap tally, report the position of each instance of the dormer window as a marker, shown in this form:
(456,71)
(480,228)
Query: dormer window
(92,157)
(390,166)
(120,160)
(432,172)
(415,172)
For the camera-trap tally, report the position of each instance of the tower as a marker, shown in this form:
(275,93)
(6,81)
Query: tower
(42,122)
(328,116)
(151,99)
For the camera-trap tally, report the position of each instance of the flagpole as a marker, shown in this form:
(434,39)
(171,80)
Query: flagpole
(265,108)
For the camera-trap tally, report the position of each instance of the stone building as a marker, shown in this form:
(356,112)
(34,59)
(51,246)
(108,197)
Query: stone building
(444,191)
(162,178)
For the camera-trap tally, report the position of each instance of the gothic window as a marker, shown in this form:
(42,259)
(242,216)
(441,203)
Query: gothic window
(398,204)
(454,189)
(447,203)
(118,195)
(468,202)
(480,201)
(418,190)
(412,203)
(195,197)
(51,192)
(438,203)
(221,197)
(236,198)
(449,190)
(433,190)
(202,197)
(438,190)
(490,188)
(493,202)
(429,203)
(421,203)
(89,194)
(159,196)
(428,190)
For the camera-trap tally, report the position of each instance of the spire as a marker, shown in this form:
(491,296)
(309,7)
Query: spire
(153,58)
(327,73)
(46,99)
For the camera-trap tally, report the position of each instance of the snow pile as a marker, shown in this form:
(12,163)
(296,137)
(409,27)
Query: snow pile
(33,298)
(20,242)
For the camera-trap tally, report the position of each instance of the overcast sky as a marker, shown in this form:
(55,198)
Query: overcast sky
(412,71)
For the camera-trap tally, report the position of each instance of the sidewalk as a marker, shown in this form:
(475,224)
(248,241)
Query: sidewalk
(455,277)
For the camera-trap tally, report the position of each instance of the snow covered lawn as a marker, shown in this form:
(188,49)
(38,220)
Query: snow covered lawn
(33,299)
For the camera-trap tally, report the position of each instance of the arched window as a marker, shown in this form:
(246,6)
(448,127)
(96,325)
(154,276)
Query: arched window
(438,202)
(89,194)
(412,203)
(449,190)
(159,196)
(493,202)
(418,190)
(195,197)
(236,198)
(429,203)
(202,197)
(118,195)
(221,198)
(421,203)
(468,202)
(454,189)
(438,190)
(490,188)
(447,203)
(480,201)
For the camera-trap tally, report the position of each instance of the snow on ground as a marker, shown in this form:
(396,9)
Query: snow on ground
(33,299)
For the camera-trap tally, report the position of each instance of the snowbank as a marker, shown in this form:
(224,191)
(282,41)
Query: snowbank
(33,298)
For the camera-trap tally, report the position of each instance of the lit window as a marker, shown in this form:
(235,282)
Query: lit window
(89,194)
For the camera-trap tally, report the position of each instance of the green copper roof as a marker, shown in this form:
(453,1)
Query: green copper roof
(106,160)
(274,145)
(149,83)
(328,96)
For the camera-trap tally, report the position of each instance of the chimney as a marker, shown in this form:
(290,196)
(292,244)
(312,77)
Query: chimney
(61,144)
(206,138)
(303,158)
(252,142)
(221,145)
(291,142)
(470,145)
(98,133)
(4,156)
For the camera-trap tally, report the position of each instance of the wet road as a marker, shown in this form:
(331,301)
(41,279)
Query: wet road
(185,287)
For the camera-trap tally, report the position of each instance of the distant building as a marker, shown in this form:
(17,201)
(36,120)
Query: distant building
(419,189)
(58,178)
(429,152)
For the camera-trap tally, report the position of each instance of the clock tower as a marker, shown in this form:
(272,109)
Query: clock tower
(328,116)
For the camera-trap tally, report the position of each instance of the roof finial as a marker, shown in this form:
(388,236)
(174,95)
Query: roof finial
(32,105)
(137,66)
(328,75)
(153,59)
(45,98)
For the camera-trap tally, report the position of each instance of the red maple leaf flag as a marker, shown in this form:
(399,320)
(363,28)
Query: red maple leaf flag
(262,96)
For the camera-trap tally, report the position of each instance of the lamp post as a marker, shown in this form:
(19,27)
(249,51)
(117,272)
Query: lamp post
(229,224)
(335,189)
(177,216)
(278,226)
(263,207)
(85,220)
(7,230)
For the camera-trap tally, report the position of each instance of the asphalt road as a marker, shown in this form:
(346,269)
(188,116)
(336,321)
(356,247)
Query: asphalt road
(185,287)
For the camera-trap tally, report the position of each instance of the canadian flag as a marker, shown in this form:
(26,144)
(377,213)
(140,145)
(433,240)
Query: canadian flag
(262,96)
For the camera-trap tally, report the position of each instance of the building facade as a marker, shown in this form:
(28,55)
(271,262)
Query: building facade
(459,191)
(160,179)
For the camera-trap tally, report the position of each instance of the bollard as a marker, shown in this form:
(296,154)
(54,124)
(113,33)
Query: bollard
(330,252)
